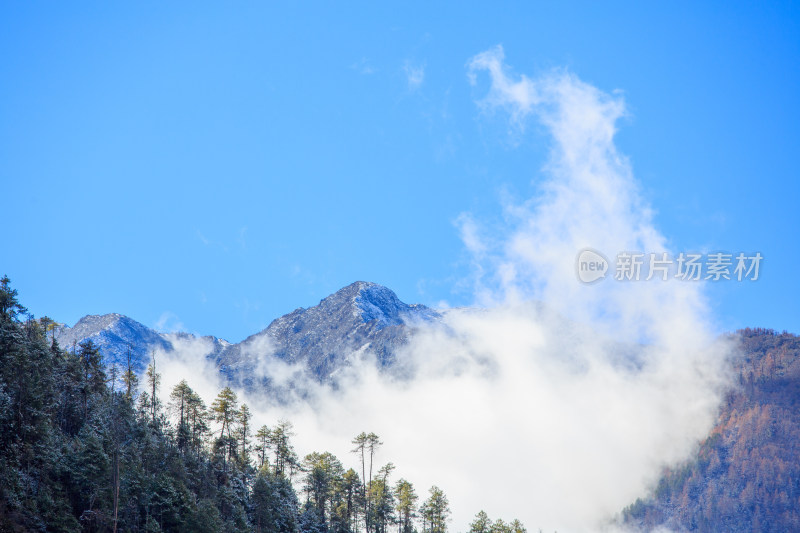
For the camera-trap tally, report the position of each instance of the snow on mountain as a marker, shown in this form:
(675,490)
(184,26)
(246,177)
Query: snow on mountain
(317,340)
(118,335)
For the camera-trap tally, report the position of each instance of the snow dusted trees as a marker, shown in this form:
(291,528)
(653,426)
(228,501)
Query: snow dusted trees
(80,453)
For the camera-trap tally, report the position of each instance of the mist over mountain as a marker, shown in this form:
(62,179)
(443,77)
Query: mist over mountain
(117,336)
(743,476)
(318,340)
(573,428)
(322,338)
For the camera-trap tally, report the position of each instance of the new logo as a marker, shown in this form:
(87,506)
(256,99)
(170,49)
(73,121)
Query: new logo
(590,265)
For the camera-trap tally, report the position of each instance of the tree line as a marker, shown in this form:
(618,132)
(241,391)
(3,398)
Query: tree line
(88,448)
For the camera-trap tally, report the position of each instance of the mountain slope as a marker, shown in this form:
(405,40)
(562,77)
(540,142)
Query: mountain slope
(116,335)
(318,340)
(746,474)
(360,316)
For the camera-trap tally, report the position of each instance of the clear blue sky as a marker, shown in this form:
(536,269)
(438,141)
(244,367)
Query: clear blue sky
(217,167)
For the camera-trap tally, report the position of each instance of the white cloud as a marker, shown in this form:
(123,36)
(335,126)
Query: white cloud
(558,413)
(169,322)
(188,361)
(415,75)
(202,238)
(469,235)
(363,66)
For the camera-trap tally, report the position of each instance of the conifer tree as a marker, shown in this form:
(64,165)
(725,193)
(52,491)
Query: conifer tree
(243,417)
(406,506)
(285,457)
(225,410)
(262,445)
(129,377)
(154,382)
(179,404)
(435,512)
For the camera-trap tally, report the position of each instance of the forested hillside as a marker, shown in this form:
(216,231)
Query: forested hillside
(746,475)
(82,450)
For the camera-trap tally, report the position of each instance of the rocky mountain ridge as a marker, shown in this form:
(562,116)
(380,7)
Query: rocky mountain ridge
(361,316)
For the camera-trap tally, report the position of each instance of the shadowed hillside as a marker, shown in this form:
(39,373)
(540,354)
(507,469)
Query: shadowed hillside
(746,474)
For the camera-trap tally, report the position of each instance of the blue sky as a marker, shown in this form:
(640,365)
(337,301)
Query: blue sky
(212,168)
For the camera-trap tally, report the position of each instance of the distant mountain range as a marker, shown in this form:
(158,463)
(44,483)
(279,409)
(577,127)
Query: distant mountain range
(319,339)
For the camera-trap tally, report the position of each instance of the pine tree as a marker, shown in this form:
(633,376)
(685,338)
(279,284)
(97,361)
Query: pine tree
(154,382)
(517,527)
(262,445)
(360,442)
(9,305)
(348,496)
(382,509)
(366,445)
(435,511)
(285,457)
(274,504)
(323,472)
(372,445)
(481,524)
(129,377)
(225,410)
(406,506)
(243,417)
(197,416)
(93,376)
(179,404)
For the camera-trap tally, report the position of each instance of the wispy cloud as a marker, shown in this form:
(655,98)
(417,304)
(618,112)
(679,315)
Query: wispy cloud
(188,361)
(169,322)
(415,75)
(210,243)
(202,238)
(228,242)
(518,97)
(363,66)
